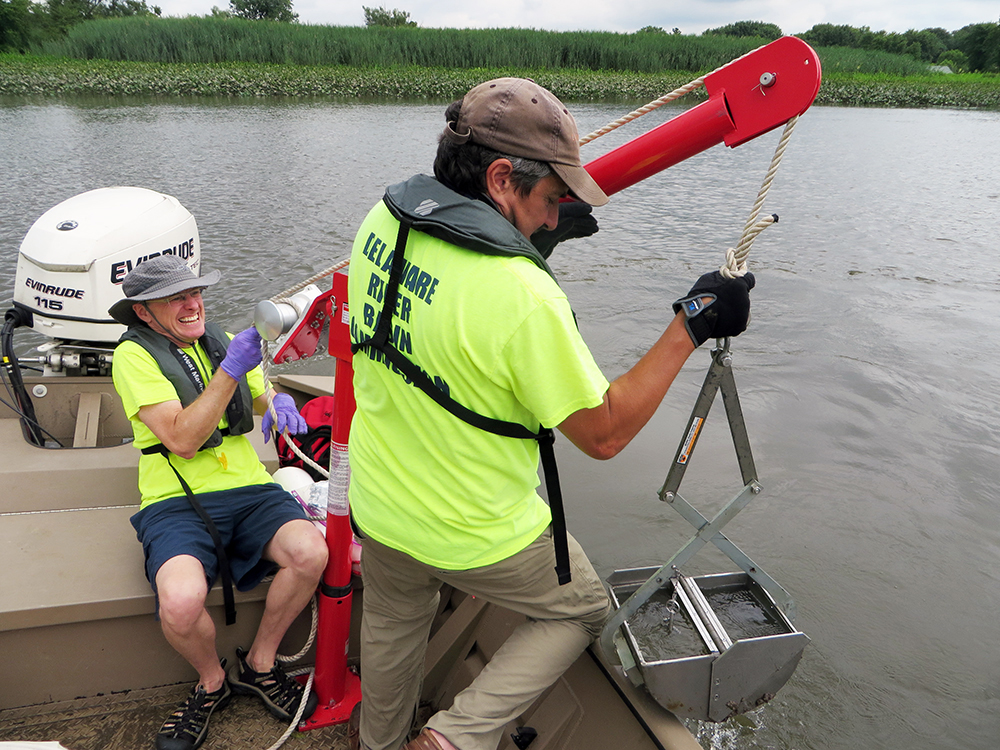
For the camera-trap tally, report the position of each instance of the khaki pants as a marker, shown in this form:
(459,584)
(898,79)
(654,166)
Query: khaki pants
(400,601)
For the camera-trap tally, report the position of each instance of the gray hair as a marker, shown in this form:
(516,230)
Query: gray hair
(527,173)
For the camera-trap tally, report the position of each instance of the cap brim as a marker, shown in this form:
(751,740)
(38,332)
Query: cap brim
(580,184)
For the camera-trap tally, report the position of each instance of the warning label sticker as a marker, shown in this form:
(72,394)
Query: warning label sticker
(690,440)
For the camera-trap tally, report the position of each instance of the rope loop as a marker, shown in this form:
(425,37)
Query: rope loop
(732,269)
(737,265)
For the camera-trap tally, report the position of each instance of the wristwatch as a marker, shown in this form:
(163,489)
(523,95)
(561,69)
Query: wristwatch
(698,328)
(694,305)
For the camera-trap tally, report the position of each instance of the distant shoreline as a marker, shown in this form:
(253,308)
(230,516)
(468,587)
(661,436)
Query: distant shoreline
(46,78)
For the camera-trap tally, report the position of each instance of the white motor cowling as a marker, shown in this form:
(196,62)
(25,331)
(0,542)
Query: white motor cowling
(74,257)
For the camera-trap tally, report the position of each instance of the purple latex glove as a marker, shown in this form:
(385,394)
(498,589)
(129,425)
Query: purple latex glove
(288,417)
(243,354)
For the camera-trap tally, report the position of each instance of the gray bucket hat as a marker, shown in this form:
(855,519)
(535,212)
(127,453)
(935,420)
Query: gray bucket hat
(157,278)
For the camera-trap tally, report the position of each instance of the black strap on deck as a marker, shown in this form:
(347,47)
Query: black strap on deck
(220,549)
(380,341)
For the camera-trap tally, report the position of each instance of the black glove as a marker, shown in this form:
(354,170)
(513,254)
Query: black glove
(575,220)
(726,314)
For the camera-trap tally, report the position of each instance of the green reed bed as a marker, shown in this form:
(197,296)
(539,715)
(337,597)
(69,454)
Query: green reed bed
(38,76)
(856,61)
(964,91)
(231,57)
(28,76)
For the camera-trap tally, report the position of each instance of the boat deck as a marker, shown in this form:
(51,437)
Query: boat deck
(129,720)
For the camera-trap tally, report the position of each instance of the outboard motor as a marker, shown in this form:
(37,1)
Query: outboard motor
(69,272)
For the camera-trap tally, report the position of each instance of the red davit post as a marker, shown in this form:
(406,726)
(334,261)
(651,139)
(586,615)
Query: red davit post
(337,687)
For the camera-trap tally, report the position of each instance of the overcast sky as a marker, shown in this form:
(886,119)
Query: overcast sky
(690,16)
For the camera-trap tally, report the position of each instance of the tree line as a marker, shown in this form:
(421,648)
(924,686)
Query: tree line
(24,24)
(975,47)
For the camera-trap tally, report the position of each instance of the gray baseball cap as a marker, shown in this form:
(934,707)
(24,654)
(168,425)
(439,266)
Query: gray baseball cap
(157,278)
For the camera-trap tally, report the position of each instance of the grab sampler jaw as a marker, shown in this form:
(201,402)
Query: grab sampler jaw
(722,648)
(740,645)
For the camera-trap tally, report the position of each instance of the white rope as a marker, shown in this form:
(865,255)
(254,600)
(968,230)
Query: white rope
(311,280)
(736,258)
(735,264)
(64,510)
(265,365)
(308,686)
(309,641)
(298,714)
(646,109)
(657,103)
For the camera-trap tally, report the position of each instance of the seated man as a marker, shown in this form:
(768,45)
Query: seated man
(209,507)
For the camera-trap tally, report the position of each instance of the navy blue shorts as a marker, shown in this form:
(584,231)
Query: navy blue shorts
(246,517)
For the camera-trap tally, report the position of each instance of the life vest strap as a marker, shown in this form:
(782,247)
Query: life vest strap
(220,549)
(545,437)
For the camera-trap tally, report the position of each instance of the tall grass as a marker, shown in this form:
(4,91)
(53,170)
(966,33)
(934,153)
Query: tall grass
(868,62)
(218,40)
(213,40)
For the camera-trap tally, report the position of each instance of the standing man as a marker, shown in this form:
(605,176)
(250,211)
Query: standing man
(467,346)
(209,507)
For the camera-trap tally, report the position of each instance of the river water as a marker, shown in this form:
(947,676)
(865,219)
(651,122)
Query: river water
(868,377)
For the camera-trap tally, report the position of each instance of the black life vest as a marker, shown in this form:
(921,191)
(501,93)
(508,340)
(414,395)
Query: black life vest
(183,374)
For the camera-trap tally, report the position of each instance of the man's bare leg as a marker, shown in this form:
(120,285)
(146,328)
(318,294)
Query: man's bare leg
(301,552)
(182,588)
